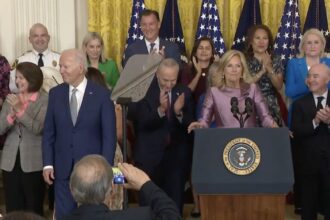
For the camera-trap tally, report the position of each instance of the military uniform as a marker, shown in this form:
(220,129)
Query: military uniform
(50,59)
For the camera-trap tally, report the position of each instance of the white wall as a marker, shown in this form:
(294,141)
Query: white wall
(66,21)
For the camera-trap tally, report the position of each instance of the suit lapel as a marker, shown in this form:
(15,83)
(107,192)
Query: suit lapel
(66,97)
(88,95)
(143,47)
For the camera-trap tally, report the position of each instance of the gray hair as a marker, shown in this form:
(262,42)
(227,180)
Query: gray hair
(79,56)
(168,63)
(91,180)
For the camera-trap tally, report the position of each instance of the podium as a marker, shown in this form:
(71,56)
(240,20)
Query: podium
(226,189)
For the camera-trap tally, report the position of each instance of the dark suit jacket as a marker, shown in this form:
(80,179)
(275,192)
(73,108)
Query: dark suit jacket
(312,144)
(152,131)
(140,47)
(94,132)
(160,207)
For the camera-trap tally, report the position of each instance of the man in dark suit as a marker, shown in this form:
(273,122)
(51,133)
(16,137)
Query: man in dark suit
(94,175)
(80,120)
(150,25)
(311,131)
(162,147)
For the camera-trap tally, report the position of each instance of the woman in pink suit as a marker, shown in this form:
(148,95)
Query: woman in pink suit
(233,98)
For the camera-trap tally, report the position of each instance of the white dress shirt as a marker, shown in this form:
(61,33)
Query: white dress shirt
(156,42)
(50,59)
(79,93)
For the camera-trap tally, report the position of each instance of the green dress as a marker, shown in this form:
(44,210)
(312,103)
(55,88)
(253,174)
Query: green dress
(110,71)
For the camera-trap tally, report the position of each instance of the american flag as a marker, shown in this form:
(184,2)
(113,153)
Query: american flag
(209,25)
(250,15)
(134,31)
(317,17)
(171,29)
(288,36)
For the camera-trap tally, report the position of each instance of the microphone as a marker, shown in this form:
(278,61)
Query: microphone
(235,110)
(234,106)
(248,106)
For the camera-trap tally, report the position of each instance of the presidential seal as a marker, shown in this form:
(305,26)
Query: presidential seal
(241,156)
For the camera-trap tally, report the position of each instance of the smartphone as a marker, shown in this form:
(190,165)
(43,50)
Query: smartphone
(118,177)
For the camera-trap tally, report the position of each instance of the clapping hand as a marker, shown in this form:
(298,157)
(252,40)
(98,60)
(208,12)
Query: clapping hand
(162,52)
(15,102)
(197,66)
(267,62)
(163,100)
(323,115)
(179,103)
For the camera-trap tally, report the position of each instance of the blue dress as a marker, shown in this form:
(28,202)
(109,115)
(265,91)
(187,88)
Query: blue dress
(296,73)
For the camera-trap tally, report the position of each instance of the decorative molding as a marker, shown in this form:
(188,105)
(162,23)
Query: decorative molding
(66,21)
(27,13)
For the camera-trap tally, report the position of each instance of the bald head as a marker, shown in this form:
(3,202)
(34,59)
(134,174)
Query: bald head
(39,37)
(318,78)
(91,180)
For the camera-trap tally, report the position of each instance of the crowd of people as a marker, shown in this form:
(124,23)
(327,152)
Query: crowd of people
(68,133)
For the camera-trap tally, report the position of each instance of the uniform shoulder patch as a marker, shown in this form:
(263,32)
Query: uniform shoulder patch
(13,66)
(53,51)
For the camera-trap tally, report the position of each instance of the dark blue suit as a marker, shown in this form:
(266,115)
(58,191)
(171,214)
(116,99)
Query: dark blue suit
(162,147)
(64,143)
(140,47)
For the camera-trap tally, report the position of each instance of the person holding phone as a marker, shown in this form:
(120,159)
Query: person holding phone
(93,174)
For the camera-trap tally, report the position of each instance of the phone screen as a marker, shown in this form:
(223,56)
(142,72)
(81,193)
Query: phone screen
(118,177)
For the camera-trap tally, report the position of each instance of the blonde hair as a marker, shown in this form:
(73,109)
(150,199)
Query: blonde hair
(212,71)
(316,32)
(218,79)
(92,36)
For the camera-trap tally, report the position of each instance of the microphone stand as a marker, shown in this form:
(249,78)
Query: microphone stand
(124,101)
